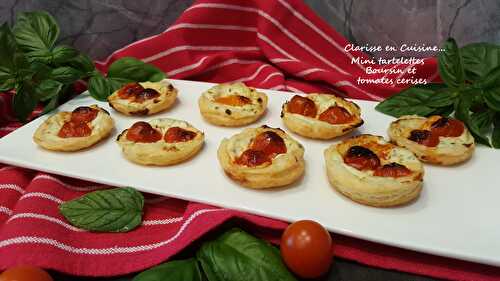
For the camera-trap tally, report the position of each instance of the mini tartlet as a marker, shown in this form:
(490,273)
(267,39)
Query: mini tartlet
(160,142)
(371,171)
(232,104)
(436,139)
(262,157)
(321,116)
(144,98)
(76,130)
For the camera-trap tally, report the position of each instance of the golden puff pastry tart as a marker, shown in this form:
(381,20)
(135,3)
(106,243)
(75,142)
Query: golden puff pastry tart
(262,157)
(371,171)
(160,142)
(436,139)
(232,105)
(143,98)
(321,116)
(72,131)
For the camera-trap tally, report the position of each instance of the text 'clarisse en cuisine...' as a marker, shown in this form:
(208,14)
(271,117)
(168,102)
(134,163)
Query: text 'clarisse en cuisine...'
(402,48)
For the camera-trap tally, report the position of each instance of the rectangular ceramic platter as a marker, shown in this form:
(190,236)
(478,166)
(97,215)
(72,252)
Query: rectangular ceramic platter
(455,216)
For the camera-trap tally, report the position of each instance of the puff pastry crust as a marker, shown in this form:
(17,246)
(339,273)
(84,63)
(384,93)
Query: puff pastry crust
(48,133)
(281,169)
(395,178)
(153,98)
(148,143)
(314,124)
(449,150)
(232,105)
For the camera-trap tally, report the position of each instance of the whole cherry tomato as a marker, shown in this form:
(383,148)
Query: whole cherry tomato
(306,248)
(25,273)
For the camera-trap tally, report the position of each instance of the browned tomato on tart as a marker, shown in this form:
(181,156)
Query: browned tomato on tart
(71,131)
(321,116)
(371,171)
(144,98)
(262,157)
(435,139)
(160,142)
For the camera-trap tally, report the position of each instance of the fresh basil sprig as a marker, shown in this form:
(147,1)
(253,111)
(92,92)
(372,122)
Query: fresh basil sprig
(33,65)
(112,210)
(235,255)
(41,71)
(471,90)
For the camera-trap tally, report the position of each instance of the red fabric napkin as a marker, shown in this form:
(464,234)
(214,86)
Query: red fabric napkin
(267,44)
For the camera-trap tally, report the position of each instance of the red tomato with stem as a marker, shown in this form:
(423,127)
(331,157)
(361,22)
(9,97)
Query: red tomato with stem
(25,273)
(306,248)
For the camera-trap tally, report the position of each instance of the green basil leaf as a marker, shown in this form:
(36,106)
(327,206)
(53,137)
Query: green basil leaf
(99,87)
(8,47)
(62,54)
(495,136)
(491,97)
(24,71)
(7,79)
(179,270)
(442,98)
(463,113)
(36,33)
(462,107)
(492,79)
(410,101)
(83,63)
(24,101)
(117,83)
(42,56)
(443,111)
(111,210)
(65,74)
(135,70)
(236,254)
(47,89)
(51,105)
(450,65)
(483,121)
(41,71)
(14,68)
(479,59)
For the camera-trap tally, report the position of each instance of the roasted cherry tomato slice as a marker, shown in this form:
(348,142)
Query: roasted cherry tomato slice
(336,115)
(302,106)
(252,158)
(176,134)
(361,158)
(130,90)
(25,273)
(83,114)
(234,100)
(270,143)
(306,248)
(146,94)
(143,132)
(74,130)
(424,137)
(447,127)
(393,170)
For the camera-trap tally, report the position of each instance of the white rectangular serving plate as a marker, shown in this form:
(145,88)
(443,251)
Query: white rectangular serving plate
(455,216)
